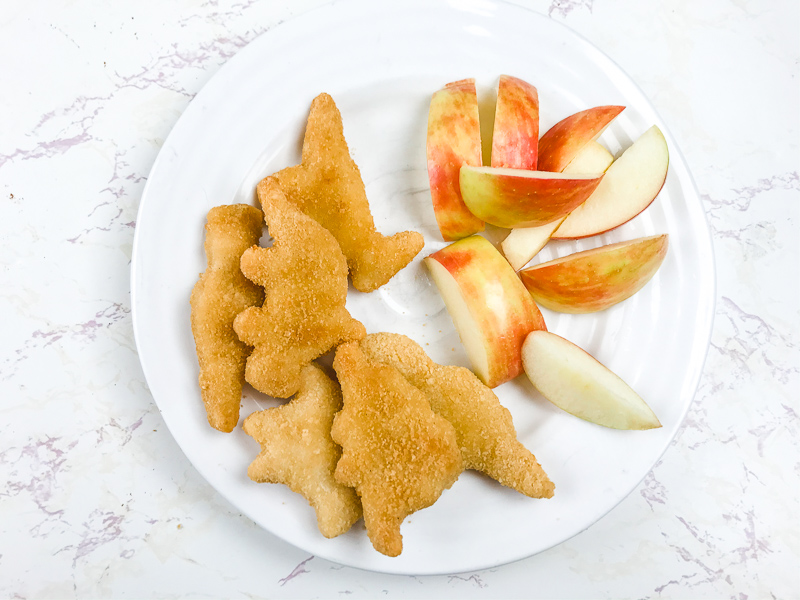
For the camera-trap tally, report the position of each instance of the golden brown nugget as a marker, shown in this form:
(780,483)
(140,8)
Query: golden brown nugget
(297,450)
(222,293)
(304,315)
(327,186)
(396,452)
(483,426)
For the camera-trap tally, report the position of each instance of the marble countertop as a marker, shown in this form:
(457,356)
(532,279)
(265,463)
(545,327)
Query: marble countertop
(97,499)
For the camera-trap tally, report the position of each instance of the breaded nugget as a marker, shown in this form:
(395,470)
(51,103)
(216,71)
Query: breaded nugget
(222,293)
(297,450)
(327,186)
(396,452)
(483,426)
(304,315)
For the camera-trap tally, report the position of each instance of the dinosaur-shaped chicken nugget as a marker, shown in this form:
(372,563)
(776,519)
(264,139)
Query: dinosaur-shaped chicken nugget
(297,450)
(398,454)
(327,186)
(303,316)
(221,293)
(483,426)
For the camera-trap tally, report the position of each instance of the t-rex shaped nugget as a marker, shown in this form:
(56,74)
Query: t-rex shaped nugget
(485,432)
(297,450)
(398,454)
(221,293)
(327,186)
(303,316)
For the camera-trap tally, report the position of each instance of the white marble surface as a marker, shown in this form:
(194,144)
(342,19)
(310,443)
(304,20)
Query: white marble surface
(97,500)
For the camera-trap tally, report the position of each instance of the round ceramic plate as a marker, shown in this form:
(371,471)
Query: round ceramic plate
(381,62)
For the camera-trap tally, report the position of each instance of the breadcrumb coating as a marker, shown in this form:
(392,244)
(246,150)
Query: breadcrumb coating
(221,293)
(396,452)
(484,428)
(297,450)
(327,186)
(303,315)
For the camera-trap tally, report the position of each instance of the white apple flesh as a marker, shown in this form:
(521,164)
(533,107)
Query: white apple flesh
(577,383)
(629,186)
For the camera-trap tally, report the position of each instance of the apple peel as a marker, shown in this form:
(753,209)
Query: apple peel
(520,198)
(596,279)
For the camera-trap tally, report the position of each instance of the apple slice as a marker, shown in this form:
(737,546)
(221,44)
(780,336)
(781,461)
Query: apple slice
(491,309)
(515,137)
(593,158)
(523,243)
(518,198)
(596,279)
(564,140)
(454,139)
(630,185)
(576,382)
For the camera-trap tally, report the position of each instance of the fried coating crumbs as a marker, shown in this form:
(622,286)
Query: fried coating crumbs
(303,315)
(220,294)
(297,450)
(327,186)
(484,428)
(396,452)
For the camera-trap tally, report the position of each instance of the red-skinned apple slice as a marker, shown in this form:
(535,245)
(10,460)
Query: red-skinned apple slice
(523,243)
(576,382)
(564,140)
(519,198)
(491,309)
(515,137)
(454,139)
(630,185)
(596,279)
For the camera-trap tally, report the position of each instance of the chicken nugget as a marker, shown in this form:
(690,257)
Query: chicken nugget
(303,315)
(297,450)
(396,452)
(327,186)
(221,293)
(483,426)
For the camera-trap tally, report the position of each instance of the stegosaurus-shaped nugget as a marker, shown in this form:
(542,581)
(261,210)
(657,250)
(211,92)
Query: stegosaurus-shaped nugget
(297,450)
(485,431)
(304,275)
(327,186)
(396,452)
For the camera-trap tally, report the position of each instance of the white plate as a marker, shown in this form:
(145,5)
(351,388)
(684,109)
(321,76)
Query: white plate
(381,62)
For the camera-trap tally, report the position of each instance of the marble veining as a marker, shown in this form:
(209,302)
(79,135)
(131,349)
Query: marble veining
(97,500)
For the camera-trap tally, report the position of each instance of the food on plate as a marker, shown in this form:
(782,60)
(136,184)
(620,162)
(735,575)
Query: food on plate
(396,452)
(327,187)
(564,140)
(303,316)
(454,139)
(518,198)
(523,243)
(297,450)
(221,293)
(491,309)
(596,279)
(629,186)
(576,382)
(483,426)
(515,136)
(592,158)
